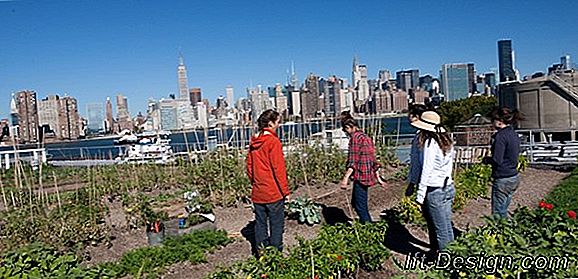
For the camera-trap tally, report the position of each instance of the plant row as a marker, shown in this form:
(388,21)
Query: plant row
(40,261)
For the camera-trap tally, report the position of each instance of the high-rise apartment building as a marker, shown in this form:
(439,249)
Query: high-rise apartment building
(455,81)
(399,101)
(506,61)
(124,119)
(183,80)
(333,97)
(48,114)
(109,122)
(69,119)
(27,116)
(382,101)
(310,97)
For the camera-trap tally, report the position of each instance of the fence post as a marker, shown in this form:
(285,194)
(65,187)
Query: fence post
(7,160)
(531,147)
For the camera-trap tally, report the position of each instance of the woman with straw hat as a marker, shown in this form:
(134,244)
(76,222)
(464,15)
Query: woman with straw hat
(436,190)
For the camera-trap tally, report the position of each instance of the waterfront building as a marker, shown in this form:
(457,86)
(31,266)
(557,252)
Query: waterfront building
(27,116)
(95,119)
(455,81)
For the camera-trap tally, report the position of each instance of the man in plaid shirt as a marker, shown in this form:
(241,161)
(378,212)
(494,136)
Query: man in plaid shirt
(361,163)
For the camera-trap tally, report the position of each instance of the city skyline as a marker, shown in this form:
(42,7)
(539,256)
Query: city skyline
(66,49)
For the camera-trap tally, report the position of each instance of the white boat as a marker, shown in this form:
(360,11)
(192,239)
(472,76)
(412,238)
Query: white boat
(327,138)
(151,148)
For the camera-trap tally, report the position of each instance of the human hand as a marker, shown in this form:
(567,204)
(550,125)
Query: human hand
(410,189)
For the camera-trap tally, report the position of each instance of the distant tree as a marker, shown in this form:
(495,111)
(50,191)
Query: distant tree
(458,111)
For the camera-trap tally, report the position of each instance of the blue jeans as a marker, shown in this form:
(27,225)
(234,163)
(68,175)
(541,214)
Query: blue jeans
(439,207)
(270,216)
(359,202)
(502,192)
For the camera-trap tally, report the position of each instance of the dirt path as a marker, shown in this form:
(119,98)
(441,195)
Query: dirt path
(236,221)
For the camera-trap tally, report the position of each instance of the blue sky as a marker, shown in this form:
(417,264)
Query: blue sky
(94,49)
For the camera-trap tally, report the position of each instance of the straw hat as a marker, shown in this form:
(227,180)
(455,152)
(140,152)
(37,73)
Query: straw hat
(429,121)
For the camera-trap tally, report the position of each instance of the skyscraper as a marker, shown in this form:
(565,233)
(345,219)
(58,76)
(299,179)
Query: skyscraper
(333,96)
(455,81)
(471,78)
(95,117)
(13,111)
(506,61)
(295,102)
(362,85)
(407,79)
(28,116)
(230,96)
(69,119)
(109,124)
(310,97)
(183,81)
(124,119)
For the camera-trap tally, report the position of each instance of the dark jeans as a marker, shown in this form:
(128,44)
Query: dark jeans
(270,216)
(502,192)
(359,202)
(439,208)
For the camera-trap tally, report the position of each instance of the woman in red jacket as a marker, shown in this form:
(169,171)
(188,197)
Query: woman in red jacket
(266,170)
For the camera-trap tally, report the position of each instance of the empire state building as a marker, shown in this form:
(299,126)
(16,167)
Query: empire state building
(183,83)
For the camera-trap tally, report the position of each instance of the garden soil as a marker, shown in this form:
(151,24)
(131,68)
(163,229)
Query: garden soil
(237,221)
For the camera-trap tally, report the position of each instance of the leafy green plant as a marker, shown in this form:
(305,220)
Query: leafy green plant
(305,211)
(151,261)
(40,261)
(337,251)
(537,233)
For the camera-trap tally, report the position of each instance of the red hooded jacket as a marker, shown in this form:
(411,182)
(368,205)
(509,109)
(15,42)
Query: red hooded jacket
(266,168)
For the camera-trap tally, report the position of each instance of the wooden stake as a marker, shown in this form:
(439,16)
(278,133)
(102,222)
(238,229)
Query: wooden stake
(57,192)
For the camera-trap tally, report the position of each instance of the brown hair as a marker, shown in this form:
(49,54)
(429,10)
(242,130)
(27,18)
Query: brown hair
(416,109)
(506,115)
(347,120)
(266,117)
(443,140)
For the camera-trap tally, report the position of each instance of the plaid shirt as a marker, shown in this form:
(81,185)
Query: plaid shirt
(361,159)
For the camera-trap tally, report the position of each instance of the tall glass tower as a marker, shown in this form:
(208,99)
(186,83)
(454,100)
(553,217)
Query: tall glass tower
(506,61)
